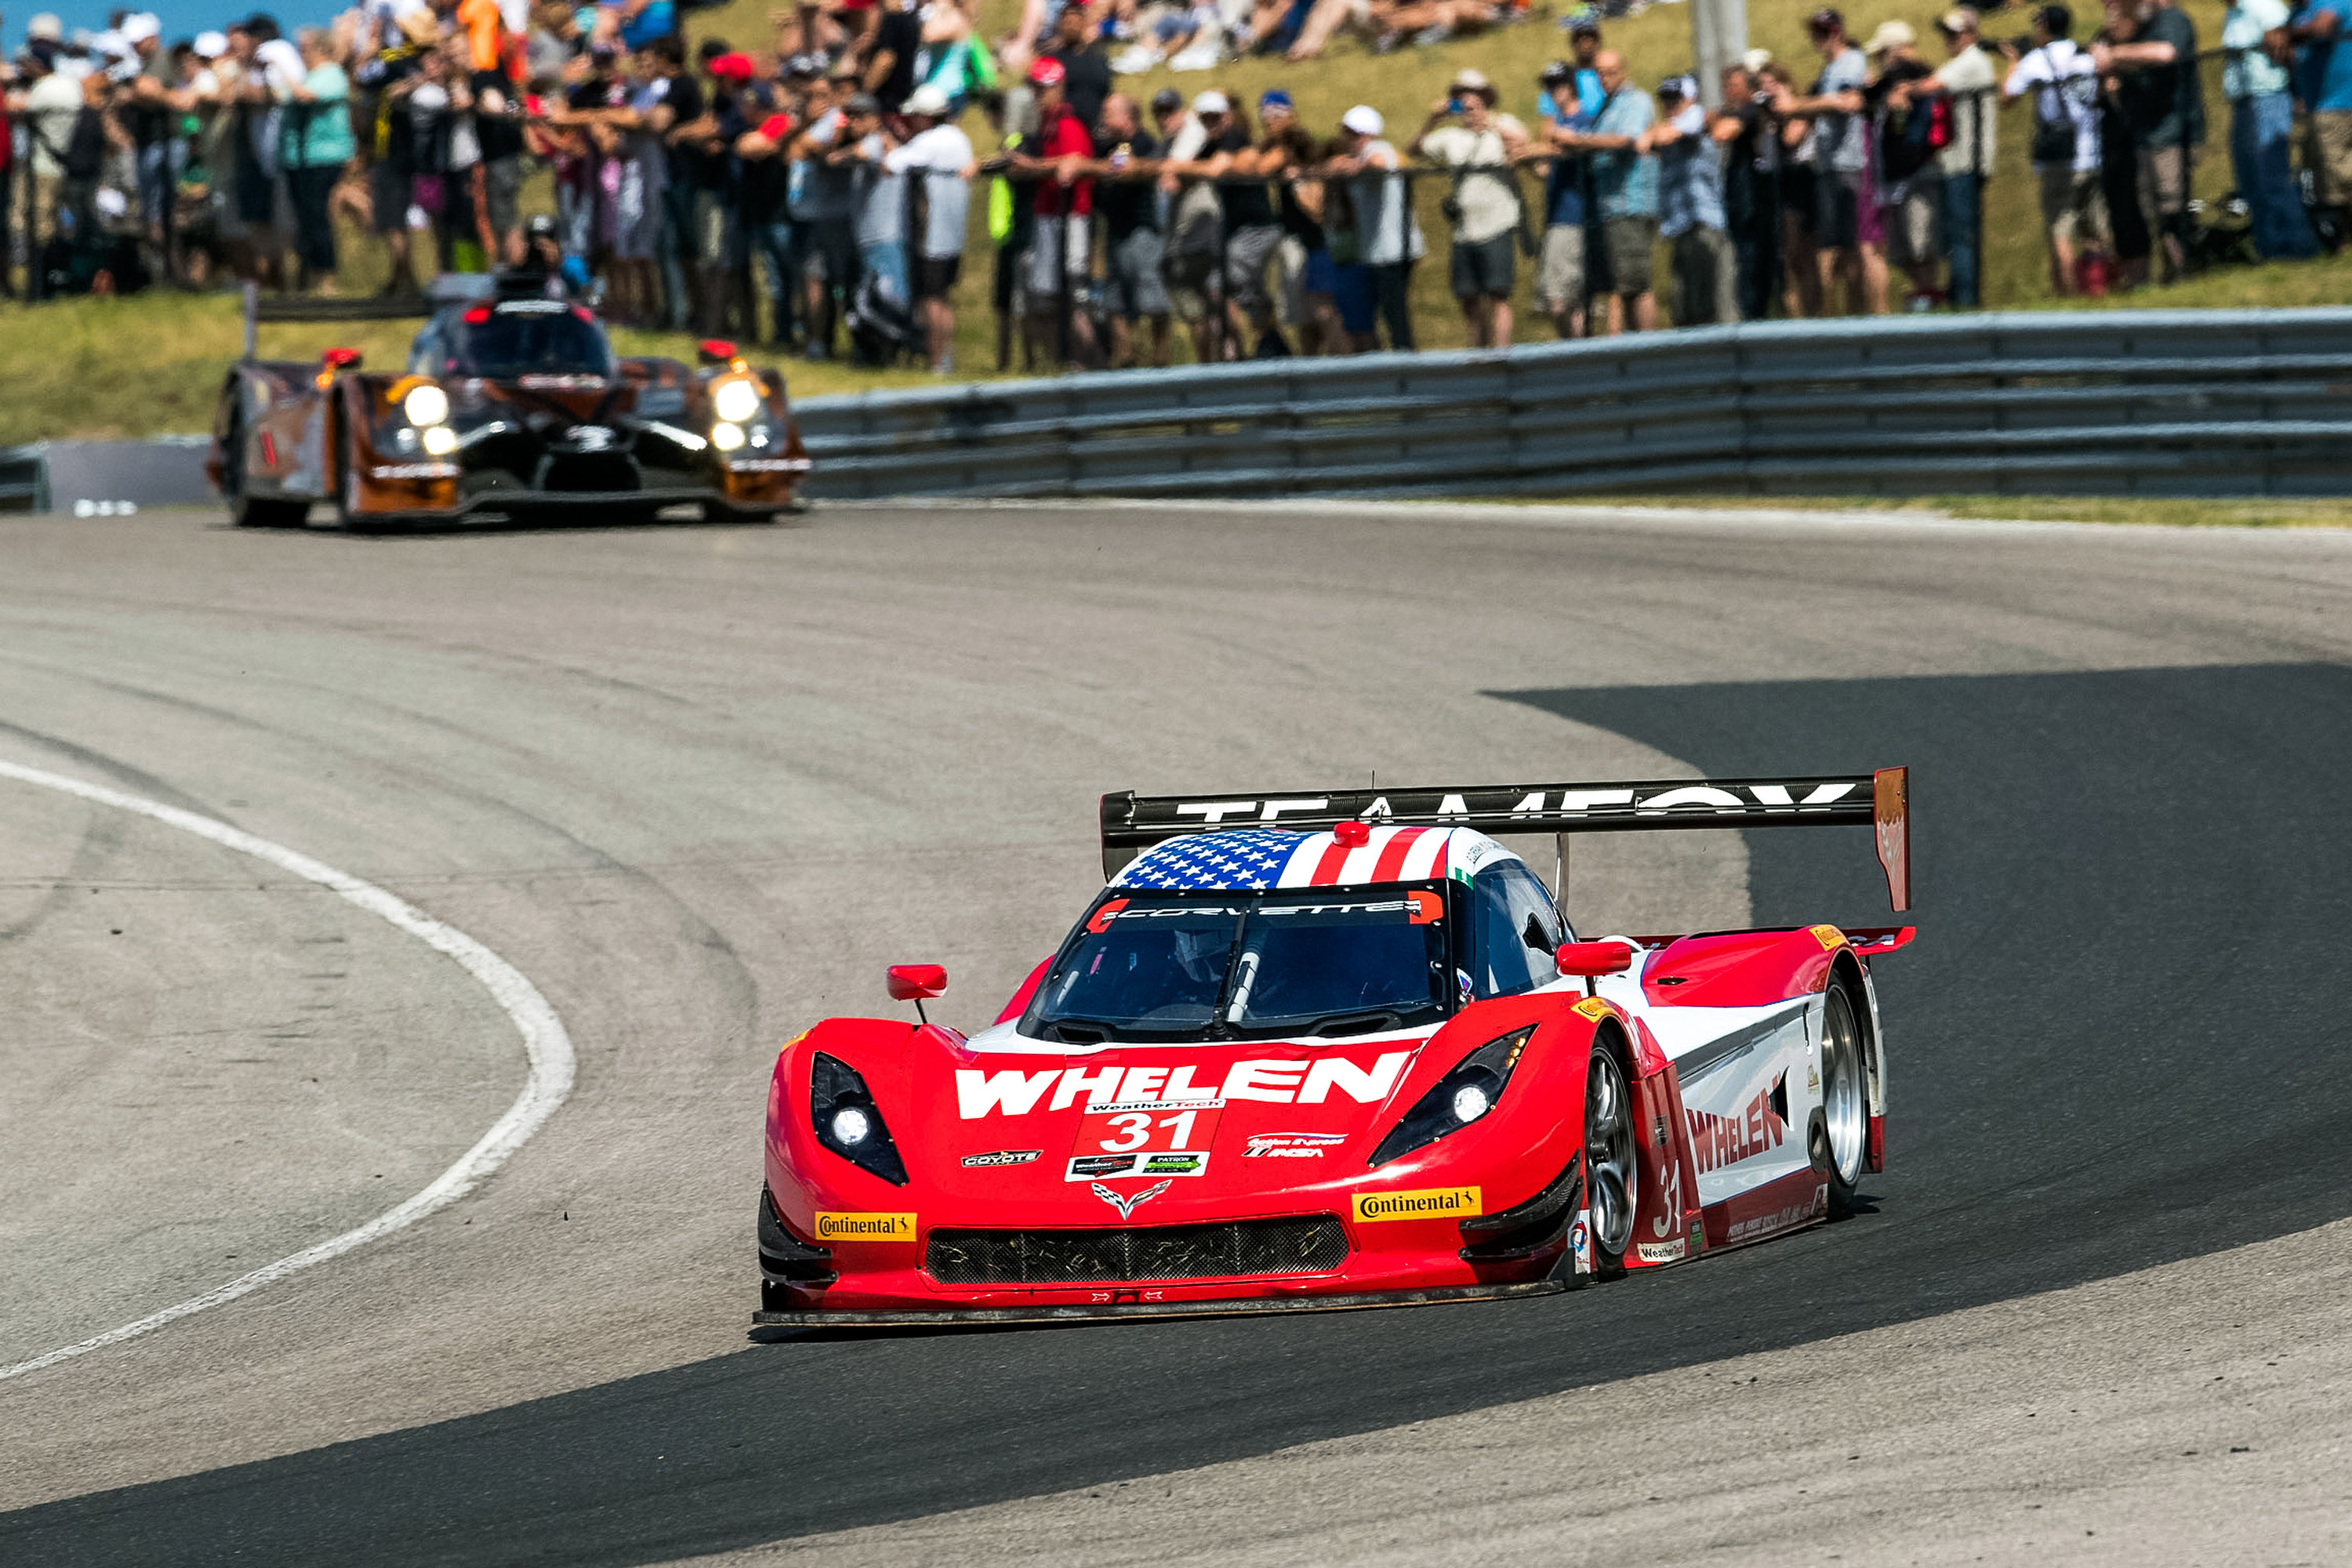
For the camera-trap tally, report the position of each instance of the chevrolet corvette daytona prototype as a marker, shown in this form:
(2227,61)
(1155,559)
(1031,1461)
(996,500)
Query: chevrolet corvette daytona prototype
(1338,1049)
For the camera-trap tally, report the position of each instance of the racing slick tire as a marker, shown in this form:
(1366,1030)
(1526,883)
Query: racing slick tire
(1612,1182)
(1840,1131)
(245,510)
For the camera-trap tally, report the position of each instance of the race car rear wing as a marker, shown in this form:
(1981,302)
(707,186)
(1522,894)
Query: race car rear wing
(1132,823)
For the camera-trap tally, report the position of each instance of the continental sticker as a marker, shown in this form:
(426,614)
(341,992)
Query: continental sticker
(1430,1203)
(1828,936)
(865,1226)
(1591,1007)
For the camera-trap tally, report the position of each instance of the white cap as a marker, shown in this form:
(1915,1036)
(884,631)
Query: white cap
(46,26)
(1755,60)
(140,27)
(1364,120)
(927,99)
(1213,102)
(210,46)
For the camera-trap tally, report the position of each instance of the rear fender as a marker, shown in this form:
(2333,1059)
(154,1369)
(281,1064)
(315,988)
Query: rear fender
(273,409)
(1741,968)
(1856,975)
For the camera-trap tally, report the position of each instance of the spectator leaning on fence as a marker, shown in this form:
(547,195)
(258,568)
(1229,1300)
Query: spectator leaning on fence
(1196,217)
(2155,61)
(1624,191)
(939,157)
(2065,148)
(1910,130)
(1375,292)
(2324,80)
(1560,262)
(1750,140)
(1463,134)
(317,146)
(1690,206)
(1967,82)
(1135,249)
(1845,234)
(2256,53)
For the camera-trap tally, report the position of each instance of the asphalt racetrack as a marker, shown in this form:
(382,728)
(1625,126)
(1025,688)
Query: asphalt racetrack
(701,785)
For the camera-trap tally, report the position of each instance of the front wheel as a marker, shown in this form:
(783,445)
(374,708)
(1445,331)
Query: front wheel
(1842,1136)
(1611,1169)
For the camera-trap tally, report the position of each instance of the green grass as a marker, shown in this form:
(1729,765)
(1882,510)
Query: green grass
(151,365)
(2224,512)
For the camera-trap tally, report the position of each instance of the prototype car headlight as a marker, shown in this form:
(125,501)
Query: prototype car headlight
(846,1122)
(426,405)
(735,401)
(440,441)
(1460,1098)
(727,437)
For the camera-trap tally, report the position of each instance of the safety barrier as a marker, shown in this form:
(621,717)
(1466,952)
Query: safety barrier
(2137,402)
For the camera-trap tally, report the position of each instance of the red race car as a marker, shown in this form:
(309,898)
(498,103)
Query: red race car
(1339,1049)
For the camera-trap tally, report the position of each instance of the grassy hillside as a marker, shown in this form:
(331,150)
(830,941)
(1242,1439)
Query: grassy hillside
(151,365)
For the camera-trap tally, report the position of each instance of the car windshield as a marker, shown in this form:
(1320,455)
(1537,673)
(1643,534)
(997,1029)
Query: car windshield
(510,344)
(1170,967)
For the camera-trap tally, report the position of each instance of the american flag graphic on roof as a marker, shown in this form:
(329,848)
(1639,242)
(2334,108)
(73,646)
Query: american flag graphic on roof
(1248,858)
(1238,858)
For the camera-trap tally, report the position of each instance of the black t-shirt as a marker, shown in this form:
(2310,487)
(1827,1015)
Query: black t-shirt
(1244,199)
(501,135)
(901,32)
(2164,104)
(1086,80)
(1750,194)
(1128,205)
(761,184)
(685,101)
(1904,145)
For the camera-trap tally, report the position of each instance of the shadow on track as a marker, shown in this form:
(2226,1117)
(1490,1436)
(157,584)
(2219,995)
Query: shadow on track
(2114,1045)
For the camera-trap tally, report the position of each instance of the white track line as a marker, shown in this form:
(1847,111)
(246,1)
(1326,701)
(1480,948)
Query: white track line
(544,1041)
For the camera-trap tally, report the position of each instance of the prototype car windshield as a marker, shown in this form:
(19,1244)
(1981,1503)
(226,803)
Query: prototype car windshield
(510,345)
(1283,964)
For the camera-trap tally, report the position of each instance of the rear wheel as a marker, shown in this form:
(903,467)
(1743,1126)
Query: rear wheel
(1842,1136)
(1611,1172)
(245,510)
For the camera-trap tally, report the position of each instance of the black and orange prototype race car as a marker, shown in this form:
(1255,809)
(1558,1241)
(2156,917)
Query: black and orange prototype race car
(512,408)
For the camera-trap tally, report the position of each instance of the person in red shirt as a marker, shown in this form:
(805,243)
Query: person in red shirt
(1060,268)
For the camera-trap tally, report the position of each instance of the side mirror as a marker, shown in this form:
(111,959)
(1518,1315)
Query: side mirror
(1591,958)
(342,359)
(715,351)
(913,982)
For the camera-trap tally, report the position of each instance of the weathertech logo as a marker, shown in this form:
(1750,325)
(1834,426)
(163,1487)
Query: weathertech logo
(1435,1203)
(866,1227)
(1720,1141)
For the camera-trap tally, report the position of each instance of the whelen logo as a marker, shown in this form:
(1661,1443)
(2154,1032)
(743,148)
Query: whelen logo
(1719,1140)
(1281,1081)
(1435,1203)
(864,1227)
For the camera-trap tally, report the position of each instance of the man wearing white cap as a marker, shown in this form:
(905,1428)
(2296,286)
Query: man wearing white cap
(1968,80)
(942,158)
(1196,237)
(1387,236)
(149,117)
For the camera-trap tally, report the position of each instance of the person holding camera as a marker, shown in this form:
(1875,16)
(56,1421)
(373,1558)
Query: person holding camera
(1464,134)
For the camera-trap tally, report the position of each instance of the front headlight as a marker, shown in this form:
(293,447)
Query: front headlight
(735,401)
(727,437)
(426,405)
(1461,1097)
(440,441)
(846,1122)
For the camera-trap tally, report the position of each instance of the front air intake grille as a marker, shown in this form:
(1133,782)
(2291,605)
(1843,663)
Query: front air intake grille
(1308,1245)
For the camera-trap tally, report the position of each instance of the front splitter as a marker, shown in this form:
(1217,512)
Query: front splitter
(1234,1308)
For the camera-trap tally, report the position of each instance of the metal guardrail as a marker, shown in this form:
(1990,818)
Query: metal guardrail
(2140,402)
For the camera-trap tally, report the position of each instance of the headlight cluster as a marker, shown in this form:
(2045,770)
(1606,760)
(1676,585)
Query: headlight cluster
(1457,1100)
(426,409)
(739,403)
(846,1122)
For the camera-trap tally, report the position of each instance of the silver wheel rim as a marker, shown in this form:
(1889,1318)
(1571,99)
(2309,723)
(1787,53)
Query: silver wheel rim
(1609,1154)
(1843,1100)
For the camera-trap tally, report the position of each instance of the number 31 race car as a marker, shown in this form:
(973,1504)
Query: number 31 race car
(1340,1049)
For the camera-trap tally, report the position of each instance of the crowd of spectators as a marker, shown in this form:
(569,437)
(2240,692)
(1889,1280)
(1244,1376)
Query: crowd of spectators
(821,191)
